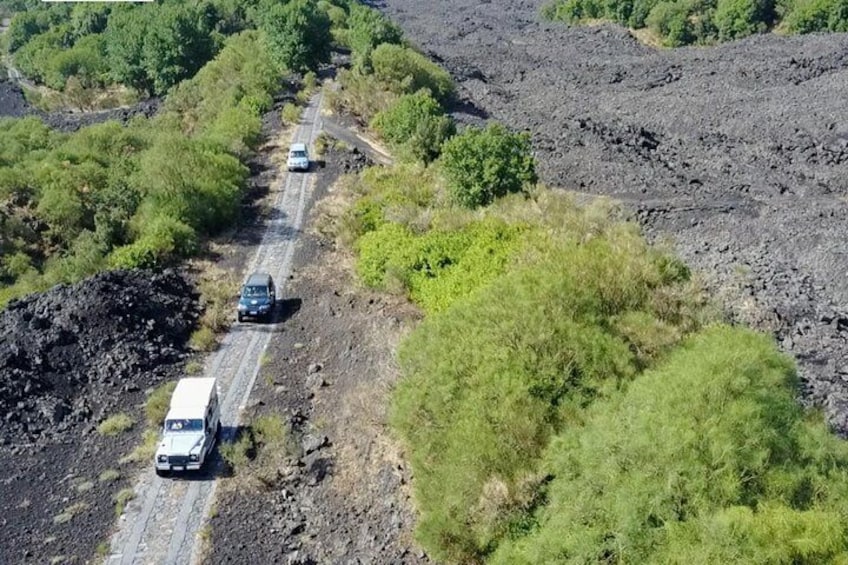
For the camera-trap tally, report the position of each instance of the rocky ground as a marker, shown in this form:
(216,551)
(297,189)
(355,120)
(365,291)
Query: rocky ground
(70,358)
(738,154)
(341,497)
(14,104)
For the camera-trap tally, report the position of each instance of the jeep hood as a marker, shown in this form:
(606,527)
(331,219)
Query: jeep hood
(180,443)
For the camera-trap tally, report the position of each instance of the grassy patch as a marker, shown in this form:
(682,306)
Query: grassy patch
(203,339)
(109,475)
(194,368)
(260,451)
(115,425)
(156,407)
(70,512)
(121,498)
(145,451)
(103,549)
(84,486)
(290,113)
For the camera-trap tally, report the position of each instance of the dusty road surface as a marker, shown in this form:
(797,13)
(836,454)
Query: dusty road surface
(737,153)
(162,523)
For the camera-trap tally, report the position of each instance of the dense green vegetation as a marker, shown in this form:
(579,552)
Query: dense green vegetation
(571,396)
(683,22)
(147,193)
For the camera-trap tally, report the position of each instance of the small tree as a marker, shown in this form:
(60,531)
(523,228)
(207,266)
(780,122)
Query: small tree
(299,33)
(482,165)
(368,28)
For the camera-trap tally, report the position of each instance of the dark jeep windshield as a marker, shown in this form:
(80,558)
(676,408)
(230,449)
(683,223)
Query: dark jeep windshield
(255,292)
(184,425)
(298,154)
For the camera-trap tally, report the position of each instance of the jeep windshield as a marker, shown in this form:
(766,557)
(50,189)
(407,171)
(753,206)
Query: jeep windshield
(181,425)
(255,292)
(298,155)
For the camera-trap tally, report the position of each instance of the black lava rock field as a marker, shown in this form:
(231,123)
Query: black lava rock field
(737,154)
(69,355)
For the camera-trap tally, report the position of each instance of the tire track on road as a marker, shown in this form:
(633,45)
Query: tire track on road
(162,524)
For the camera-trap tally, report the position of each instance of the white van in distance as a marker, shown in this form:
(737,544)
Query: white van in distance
(191,427)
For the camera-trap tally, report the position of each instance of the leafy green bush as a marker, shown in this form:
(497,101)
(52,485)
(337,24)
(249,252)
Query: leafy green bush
(360,94)
(368,28)
(164,239)
(491,378)
(243,72)
(671,20)
(806,16)
(192,181)
(405,71)
(707,459)
(438,267)
(482,165)
(738,18)
(416,124)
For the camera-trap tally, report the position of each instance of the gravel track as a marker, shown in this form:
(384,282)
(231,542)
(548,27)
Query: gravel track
(737,153)
(162,524)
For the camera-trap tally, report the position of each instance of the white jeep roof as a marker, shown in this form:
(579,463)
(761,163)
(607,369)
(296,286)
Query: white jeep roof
(298,147)
(186,413)
(194,391)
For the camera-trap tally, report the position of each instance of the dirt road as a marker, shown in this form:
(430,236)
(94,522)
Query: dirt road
(737,153)
(162,524)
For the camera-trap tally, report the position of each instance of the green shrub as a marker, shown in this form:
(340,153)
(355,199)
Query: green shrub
(368,28)
(405,71)
(163,240)
(237,130)
(492,377)
(482,165)
(415,122)
(738,18)
(299,34)
(193,182)
(671,20)
(438,267)
(115,425)
(806,16)
(203,339)
(360,94)
(244,70)
(398,193)
(707,459)
(260,449)
(121,499)
(291,113)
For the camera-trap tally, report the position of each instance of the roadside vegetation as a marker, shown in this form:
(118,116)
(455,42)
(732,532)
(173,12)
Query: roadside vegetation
(686,22)
(259,454)
(150,193)
(572,396)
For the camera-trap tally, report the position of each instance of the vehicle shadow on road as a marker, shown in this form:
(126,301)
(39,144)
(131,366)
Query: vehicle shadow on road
(283,311)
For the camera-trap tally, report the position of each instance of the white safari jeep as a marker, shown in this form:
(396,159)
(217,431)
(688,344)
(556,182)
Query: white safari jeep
(191,427)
